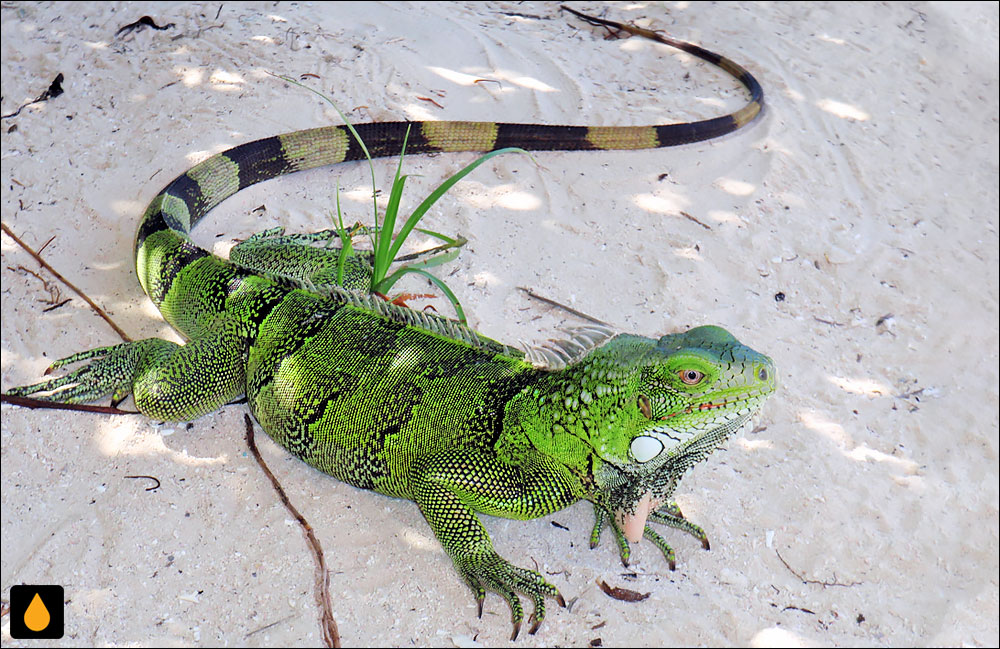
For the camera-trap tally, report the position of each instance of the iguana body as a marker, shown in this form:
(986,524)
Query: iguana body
(415,406)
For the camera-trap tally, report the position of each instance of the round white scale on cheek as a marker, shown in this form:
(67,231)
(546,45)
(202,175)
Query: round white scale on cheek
(644,449)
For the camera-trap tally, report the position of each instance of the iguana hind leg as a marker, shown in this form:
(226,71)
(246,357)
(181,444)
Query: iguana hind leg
(297,260)
(170,382)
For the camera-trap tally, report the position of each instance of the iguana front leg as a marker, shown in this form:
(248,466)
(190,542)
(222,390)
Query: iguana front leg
(451,486)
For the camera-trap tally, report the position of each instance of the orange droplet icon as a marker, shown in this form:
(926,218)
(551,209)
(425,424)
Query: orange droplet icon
(36,617)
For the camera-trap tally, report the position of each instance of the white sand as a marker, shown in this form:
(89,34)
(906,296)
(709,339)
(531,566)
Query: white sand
(867,193)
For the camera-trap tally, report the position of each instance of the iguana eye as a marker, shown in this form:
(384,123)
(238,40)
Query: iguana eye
(645,407)
(762,374)
(691,377)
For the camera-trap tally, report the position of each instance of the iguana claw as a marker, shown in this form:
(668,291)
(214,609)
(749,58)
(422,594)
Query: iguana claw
(508,580)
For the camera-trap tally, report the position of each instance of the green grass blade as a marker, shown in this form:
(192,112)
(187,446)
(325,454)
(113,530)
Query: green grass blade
(450,244)
(439,192)
(384,245)
(442,257)
(388,283)
(346,248)
(459,242)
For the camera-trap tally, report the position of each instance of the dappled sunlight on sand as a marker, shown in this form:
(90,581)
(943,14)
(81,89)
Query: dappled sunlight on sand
(735,187)
(507,196)
(869,387)
(513,78)
(829,429)
(778,637)
(417,540)
(226,80)
(190,77)
(753,444)
(843,110)
(663,202)
(857,452)
(690,253)
(127,208)
(115,438)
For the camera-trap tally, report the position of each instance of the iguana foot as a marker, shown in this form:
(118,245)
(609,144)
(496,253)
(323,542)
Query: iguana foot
(110,372)
(451,486)
(668,552)
(670,515)
(294,259)
(493,572)
(317,261)
(327,237)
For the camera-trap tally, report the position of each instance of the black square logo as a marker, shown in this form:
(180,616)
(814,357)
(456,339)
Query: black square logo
(36,612)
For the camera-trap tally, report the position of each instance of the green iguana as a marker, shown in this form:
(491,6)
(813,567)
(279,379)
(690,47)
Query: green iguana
(413,405)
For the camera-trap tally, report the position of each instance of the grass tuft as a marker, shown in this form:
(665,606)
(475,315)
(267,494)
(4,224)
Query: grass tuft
(385,245)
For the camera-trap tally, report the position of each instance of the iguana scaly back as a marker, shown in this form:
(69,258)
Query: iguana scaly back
(413,405)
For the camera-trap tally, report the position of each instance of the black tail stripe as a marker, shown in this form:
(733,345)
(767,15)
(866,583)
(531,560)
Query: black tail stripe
(543,137)
(674,134)
(259,160)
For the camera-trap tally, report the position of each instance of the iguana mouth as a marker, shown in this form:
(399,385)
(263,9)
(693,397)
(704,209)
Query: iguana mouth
(723,401)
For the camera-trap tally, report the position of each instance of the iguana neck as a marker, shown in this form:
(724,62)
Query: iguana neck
(565,414)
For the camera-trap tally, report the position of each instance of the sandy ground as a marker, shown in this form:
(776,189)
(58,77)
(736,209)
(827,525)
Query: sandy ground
(864,512)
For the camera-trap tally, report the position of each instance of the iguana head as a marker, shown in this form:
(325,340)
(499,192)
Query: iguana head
(632,415)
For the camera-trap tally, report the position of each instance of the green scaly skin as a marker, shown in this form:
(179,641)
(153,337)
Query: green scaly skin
(412,405)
